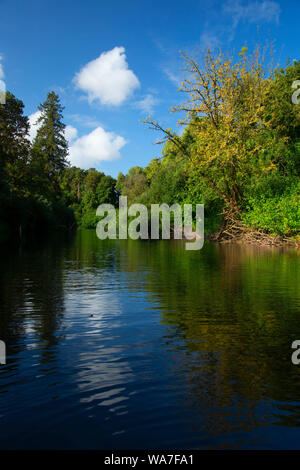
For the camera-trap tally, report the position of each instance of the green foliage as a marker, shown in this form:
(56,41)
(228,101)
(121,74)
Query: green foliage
(29,199)
(49,150)
(135,184)
(120,182)
(14,144)
(168,185)
(84,191)
(280,112)
(71,182)
(89,219)
(278,213)
(240,151)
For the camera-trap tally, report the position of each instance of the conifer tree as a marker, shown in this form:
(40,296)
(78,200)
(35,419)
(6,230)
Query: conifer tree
(14,143)
(50,148)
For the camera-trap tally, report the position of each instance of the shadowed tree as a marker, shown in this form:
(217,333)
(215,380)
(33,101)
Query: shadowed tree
(14,144)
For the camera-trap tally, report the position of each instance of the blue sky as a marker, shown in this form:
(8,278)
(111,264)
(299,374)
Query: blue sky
(113,63)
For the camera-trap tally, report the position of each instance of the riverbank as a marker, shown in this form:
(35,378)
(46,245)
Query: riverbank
(29,220)
(256,238)
(251,237)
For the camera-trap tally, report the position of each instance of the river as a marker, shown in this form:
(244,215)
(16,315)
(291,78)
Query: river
(134,344)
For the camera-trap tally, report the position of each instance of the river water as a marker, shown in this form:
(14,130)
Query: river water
(135,344)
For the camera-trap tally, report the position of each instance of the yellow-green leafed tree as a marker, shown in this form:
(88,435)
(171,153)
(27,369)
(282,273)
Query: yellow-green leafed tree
(228,99)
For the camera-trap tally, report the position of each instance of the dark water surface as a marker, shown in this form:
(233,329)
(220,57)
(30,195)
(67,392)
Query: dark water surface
(129,344)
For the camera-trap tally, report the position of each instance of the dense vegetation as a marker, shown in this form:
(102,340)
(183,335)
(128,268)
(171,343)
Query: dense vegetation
(38,189)
(239,154)
(84,190)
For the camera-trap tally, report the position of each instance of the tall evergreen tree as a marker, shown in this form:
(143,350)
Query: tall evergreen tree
(50,148)
(14,143)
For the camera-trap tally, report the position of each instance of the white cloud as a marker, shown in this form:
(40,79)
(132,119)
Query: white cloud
(253,12)
(70,133)
(107,79)
(33,124)
(88,151)
(146,105)
(1,68)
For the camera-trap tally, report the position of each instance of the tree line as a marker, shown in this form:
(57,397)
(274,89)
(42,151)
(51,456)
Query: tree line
(39,190)
(239,154)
